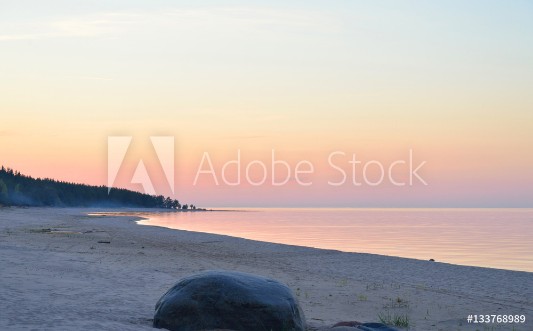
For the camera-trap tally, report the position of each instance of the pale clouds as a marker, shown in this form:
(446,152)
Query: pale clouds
(113,24)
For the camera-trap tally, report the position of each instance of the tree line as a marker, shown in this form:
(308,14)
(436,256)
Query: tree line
(17,189)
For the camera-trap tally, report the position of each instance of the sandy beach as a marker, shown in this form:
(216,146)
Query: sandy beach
(64,270)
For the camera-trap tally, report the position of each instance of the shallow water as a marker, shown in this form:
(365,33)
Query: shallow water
(496,238)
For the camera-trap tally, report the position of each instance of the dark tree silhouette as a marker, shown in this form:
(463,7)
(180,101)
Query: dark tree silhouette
(20,190)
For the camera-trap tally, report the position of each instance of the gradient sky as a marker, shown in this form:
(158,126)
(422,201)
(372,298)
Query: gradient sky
(451,80)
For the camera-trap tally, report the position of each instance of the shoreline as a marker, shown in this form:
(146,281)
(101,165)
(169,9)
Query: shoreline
(428,245)
(52,279)
(141,218)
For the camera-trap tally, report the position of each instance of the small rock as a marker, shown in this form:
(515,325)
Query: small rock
(350,323)
(375,327)
(356,326)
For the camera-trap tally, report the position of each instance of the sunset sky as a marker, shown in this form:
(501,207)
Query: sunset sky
(450,80)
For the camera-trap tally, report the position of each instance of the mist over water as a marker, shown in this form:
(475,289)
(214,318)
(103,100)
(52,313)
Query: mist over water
(495,238)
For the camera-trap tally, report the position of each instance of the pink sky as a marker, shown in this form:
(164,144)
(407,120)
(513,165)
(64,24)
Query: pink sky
(305,81)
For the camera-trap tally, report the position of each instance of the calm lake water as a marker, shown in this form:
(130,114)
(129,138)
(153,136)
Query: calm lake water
(496,238)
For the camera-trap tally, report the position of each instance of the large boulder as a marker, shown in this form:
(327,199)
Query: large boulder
(229,300)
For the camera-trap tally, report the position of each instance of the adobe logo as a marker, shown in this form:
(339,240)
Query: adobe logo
(117,147)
